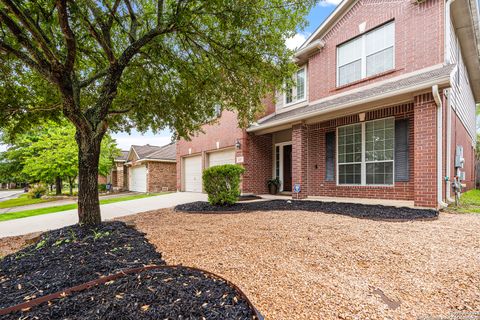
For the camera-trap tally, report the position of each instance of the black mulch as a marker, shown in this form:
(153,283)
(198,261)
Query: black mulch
(173,293)
(70,256)
(376,212)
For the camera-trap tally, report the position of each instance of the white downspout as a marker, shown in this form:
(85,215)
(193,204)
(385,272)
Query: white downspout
(438,101)
(448,60)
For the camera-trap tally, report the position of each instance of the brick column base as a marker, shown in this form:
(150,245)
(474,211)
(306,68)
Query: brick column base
(299,159)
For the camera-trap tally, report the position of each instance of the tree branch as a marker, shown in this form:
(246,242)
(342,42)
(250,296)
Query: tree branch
(68,35)
(133,22)
(34,30)
(86,82)
(160,5)
(119,111)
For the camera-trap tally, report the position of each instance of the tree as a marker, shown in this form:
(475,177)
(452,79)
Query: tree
(48,153)
(124,64)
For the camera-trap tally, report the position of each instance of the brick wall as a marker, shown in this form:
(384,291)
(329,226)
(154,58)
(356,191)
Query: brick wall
(316,171)
(118,181)
(425,156)
(258,164)
(299,159)
(161,176)
(102,179)
(419,37)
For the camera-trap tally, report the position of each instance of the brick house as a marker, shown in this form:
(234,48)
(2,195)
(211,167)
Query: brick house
(383,107)
(146,169)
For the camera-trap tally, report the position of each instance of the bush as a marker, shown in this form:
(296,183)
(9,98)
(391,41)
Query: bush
(37,191)
(222,183)
(102,187)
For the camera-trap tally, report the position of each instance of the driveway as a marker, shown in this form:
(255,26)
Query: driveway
(10,194)
(109,211)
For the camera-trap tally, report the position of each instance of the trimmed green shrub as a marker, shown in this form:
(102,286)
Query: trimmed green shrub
(222,183)
(37,191)
(102,187)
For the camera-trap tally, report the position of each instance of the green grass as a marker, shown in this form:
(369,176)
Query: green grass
(22,200)
(469,202)
(36,212)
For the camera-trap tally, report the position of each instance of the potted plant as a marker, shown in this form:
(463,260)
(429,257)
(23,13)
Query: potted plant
(274,185)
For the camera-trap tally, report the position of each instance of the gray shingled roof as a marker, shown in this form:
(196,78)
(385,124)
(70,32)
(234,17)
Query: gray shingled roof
(167,152)
(389,87)
(123,156)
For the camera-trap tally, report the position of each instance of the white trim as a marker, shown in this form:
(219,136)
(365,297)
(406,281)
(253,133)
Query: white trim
(363,163)
(281,145)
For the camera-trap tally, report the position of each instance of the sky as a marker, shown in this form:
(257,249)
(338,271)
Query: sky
(316,16)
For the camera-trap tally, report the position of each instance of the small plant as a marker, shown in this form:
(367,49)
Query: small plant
(37,191)
(41,244)
(222,183)
(274,185)
(99,234)
(102,187)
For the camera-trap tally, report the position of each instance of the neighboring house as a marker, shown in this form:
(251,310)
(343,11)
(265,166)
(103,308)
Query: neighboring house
(383,107)
(151,168)
(119,172)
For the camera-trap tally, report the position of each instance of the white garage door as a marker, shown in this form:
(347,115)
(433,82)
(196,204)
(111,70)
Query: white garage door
(138,179)
(221,157)
(193,174)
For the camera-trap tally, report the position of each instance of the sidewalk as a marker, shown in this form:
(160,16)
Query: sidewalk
(109,211)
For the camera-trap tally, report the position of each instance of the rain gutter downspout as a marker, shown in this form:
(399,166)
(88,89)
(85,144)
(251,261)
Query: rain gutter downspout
(438,101)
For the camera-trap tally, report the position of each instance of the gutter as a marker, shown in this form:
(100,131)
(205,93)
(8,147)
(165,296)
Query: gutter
(438,101)
(426,85)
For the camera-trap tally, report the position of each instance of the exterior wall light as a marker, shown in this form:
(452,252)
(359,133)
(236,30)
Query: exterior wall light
(238,145)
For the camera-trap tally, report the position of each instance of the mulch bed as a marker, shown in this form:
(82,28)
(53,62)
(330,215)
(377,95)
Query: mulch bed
(70,256)
(73,256)
(376,212)
(172,293)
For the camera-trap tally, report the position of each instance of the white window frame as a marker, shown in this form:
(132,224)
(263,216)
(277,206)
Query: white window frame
(280,145)
(363,59)
(294,90)
(363,164)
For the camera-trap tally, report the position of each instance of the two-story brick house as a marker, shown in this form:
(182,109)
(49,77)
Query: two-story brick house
(383,107)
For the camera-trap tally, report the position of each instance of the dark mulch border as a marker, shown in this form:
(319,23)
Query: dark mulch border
(151,292)
(364,211)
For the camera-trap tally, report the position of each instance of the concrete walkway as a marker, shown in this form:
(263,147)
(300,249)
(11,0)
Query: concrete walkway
(61,202)
(109,211)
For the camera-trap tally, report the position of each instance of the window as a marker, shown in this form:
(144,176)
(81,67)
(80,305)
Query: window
(367,55)
(297,92)
(366,153)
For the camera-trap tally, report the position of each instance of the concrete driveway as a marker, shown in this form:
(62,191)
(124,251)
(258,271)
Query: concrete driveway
(10,194)
(109,211)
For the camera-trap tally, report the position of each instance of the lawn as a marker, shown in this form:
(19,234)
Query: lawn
(22,200)
(36,212)
(469,202)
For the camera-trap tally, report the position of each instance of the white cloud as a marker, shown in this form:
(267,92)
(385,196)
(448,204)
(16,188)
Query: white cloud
(326,3)
(296,41)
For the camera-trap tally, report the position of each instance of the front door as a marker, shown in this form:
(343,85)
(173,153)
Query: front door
(287,168)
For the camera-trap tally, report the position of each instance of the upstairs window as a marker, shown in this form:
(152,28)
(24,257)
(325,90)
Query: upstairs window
(297,92)
(367,55)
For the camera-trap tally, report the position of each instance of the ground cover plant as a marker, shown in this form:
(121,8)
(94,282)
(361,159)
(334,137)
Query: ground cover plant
(65,207)
(349,209)
(469,202)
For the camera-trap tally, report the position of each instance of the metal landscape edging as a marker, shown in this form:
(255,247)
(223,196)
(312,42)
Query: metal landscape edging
(102,280)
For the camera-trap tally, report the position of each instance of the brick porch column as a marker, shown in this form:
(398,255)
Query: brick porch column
(425,151)
(299,159)
(258,161)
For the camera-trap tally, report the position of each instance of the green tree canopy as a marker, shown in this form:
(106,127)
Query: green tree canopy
(124,64)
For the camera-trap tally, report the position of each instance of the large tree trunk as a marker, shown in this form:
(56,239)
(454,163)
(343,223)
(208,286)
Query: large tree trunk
(88,158)
(58,186)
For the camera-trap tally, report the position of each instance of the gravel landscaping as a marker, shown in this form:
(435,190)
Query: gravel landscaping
(302,265)
(376,212)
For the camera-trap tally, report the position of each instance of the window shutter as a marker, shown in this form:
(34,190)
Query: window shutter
(401,150)
(330,156)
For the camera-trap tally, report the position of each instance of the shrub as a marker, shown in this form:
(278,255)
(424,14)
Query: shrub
(37,191)
(102,187)
(222,183)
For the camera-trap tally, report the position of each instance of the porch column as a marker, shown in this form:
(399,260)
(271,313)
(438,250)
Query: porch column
(425,150)
(258,160)
(299,159)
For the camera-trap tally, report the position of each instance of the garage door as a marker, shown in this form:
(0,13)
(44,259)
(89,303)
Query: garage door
(221,157)
(138,179)
(193,174)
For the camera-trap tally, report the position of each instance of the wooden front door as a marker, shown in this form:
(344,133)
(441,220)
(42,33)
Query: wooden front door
(287,168)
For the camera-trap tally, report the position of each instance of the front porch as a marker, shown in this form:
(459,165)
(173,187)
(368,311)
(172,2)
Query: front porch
(382,155)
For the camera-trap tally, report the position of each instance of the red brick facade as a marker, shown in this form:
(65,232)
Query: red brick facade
(419,44)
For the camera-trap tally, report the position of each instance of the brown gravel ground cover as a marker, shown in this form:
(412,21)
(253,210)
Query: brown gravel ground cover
(303,265)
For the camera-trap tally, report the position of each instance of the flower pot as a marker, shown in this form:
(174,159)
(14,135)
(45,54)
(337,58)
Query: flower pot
(273,188)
